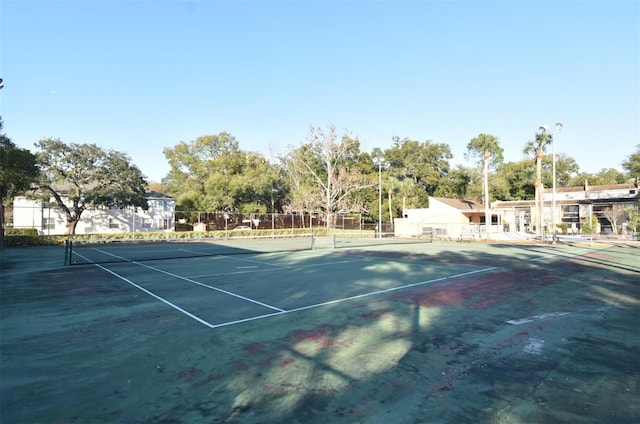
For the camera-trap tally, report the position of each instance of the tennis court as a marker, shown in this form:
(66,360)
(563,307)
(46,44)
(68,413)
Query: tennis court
(317,331)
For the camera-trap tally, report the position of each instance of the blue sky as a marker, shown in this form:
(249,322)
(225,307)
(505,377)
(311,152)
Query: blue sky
(139,76)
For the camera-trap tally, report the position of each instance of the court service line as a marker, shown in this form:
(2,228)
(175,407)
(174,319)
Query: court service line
(290,267)
(359,296)
(256,262)
(557,253)
(174,306)
(237,259)
(195,282)
(581,255)
(210,287)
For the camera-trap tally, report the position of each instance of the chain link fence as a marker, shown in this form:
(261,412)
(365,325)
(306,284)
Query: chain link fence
(227,221)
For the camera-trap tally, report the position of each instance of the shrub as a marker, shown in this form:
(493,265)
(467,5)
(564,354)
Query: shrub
(20,232)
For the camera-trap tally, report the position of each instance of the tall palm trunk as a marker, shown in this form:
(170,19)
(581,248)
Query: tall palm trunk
(389,192)
(487,214)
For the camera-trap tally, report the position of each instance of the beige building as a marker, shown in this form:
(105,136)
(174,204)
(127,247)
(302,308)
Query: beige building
(448,219)
(456,218)
(573,206)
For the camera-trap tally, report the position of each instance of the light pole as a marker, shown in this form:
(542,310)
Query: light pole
(379,161)
(545,130)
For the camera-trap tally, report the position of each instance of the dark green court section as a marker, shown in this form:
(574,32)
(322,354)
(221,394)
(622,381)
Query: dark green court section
(453,333)
(225,289)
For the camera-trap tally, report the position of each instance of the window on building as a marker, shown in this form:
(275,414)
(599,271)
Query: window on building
(113,223)
(494,219)
(146,223)
(48,224)
(570,214)
(164,224)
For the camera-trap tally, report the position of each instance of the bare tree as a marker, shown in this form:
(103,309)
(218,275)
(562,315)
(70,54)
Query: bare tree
(324,172)
(614,215)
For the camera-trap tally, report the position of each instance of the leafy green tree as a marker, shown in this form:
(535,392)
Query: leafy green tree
(475,189)
(425,163)
(566,169)
(212,173)
(603,177)
(520,179)
(632,164)
(18,171)
(257,188)
(406,189)
(634,219)
(517,180)
(456,184)
(201,169)
(79,176)
(590,225)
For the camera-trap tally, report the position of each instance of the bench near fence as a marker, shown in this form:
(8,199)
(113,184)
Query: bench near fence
(466,237)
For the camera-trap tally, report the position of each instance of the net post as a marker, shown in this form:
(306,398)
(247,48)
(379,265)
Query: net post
(67,252)
(313,241)
(333,237)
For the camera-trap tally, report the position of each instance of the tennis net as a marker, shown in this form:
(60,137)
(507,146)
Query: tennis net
(100,251)
(350,241)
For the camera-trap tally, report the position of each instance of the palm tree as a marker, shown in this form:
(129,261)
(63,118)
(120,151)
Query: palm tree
(486,148)
(538,148)
(394,185)
(406,187)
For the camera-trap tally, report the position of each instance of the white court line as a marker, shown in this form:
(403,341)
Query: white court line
(210,287)
(174,306)
(359,296)
(255,262)
(581,252)
(275,268)
(279,311)
(541,258)
(197,282)
(243,271)
(533,318)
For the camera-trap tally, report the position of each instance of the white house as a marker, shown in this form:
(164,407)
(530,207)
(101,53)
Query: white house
(49,219)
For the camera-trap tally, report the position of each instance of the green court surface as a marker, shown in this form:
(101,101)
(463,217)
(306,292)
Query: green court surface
(396,333)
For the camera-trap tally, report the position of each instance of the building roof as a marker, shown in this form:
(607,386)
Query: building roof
(592,188)
(464,205)
(157,195)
